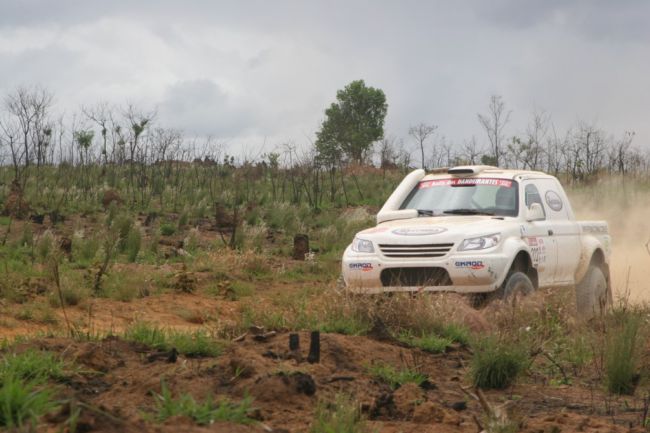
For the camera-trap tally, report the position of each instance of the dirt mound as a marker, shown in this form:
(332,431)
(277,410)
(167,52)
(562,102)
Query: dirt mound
(117,382)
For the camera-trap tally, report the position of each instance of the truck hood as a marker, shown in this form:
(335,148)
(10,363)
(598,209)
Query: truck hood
(437,229)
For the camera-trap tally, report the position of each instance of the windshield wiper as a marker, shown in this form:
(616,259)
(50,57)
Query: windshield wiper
(467,212)
(425,212)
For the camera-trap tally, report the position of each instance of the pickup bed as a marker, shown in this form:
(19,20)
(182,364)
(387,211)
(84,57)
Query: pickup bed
(481,230)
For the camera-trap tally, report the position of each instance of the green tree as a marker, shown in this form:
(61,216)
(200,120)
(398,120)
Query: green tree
(352,123)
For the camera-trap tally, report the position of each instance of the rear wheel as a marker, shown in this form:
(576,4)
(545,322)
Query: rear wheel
(593,295)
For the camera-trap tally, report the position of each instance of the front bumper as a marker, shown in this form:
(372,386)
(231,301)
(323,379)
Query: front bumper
(475,272)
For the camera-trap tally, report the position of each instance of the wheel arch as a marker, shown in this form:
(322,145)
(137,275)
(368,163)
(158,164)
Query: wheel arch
(523,262)
(592,253)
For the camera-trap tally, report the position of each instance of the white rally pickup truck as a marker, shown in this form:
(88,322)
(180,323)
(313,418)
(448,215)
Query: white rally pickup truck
(481,230)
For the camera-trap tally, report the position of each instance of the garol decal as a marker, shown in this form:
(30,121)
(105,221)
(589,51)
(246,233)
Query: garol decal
(471,264)
(465,182)
(418,231)
(365,267)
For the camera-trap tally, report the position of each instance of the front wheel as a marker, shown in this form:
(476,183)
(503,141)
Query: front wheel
(517,284)
(593,295)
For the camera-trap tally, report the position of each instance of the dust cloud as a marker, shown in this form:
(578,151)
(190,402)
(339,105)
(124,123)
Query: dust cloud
(625,205)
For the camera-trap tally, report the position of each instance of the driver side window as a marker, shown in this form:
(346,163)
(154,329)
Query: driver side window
(532,195)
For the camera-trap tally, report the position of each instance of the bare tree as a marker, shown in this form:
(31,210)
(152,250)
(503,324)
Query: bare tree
(494,123)
(420,133)
(536,133)
(29,107)
(471,151)
(619,158)
(100,114)
(388,152)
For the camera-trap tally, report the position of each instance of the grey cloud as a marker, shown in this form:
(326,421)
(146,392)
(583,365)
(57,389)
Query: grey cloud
(260,69)
(202,107)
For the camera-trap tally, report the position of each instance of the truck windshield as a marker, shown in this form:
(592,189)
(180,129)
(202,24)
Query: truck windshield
(464,196)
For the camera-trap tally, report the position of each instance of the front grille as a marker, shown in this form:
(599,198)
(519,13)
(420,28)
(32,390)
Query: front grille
(420,250)
(408,277)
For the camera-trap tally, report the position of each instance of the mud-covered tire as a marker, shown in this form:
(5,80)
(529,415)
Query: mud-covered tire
(516,284)
(593,295)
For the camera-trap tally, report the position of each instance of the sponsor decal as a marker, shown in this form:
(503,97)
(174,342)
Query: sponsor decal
(470,264)
(418,231)
(365,267)
(537,249)
(465,182)
(532,241)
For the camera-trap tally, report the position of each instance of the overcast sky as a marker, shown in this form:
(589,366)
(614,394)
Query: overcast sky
(253,72)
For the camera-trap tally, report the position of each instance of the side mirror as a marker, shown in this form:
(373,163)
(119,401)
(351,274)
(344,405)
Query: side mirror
(535,213)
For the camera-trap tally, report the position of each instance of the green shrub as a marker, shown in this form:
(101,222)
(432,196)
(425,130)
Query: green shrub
(342,321)
(191,344)
(455,332)
(149,335)
(27,237)
(621,354)
(23,402)
(238,289)
(133,242)
(167,229)
(203,413)
(429,342)
(183,220)
(32,365)
(496,364)
(396,377)
(341,416)
(84,249)
(191,241)
(44,246)
(122,224)
(71,296)
(195,344)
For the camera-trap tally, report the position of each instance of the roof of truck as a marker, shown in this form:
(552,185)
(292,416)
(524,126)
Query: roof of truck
(482,171)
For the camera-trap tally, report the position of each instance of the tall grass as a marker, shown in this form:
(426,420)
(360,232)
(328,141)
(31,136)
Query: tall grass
(622,353)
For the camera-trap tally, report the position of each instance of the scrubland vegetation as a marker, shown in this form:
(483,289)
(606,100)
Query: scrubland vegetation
(126,239)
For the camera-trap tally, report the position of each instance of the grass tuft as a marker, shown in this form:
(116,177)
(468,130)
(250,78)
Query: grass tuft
(32,365)
(340,416)
(203,413)
(496,364)
(23,402)
(396,377)
(191,344)
(429,342)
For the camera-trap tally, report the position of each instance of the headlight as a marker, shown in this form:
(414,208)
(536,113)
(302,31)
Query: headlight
(362,246)
(480,243)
